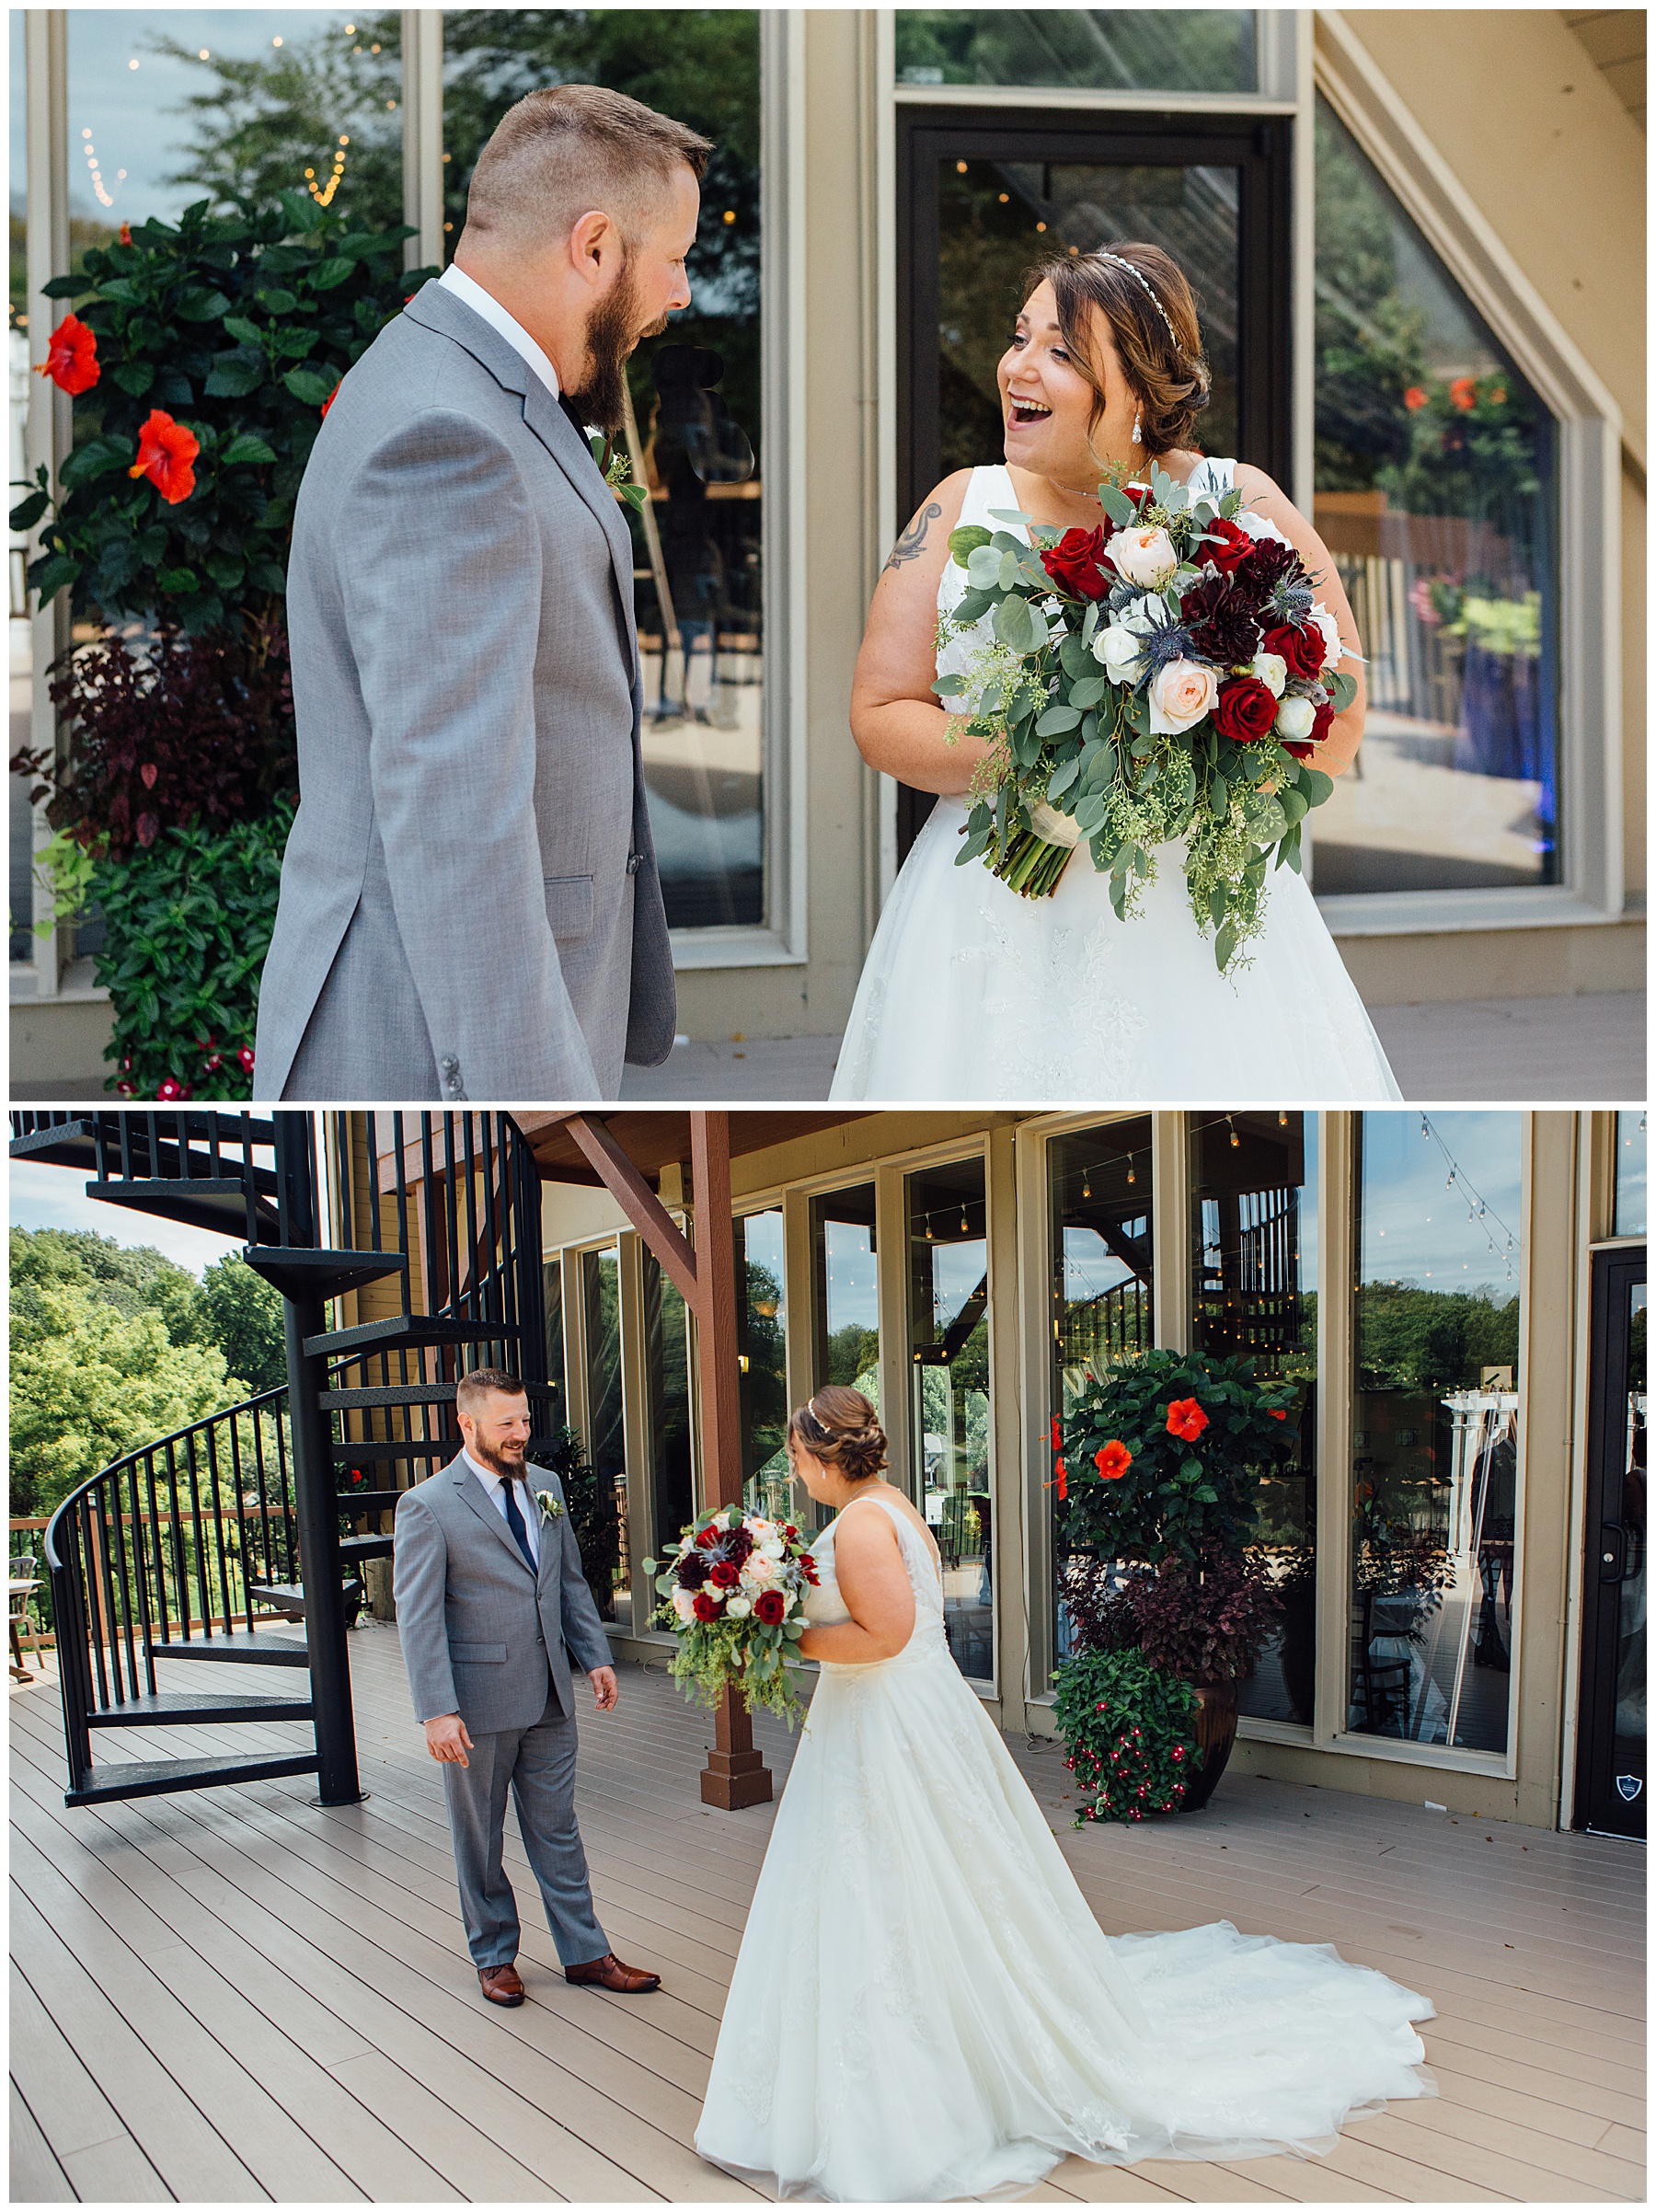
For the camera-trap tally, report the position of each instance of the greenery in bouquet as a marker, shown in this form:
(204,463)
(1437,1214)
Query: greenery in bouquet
(1166,677)
(1129,1732)
(1164,1455)
(734,1592)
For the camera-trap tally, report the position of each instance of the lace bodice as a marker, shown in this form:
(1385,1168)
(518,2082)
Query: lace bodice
(824,1605)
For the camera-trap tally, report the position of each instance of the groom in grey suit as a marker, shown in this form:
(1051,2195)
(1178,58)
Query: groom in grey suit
(469,905)
(492,1606)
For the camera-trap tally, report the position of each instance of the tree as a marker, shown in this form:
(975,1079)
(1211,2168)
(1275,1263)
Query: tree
(242,1314)
(133,1278)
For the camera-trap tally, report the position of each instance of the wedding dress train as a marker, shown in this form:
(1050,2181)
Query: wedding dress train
(924,2006)
(972,993)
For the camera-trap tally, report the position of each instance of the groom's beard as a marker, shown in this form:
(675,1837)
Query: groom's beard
(497,1462)
(613,333)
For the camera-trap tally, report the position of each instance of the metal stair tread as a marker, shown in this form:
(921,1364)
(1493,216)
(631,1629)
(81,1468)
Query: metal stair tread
(154,1778)
(410,1328)
(243,1647)
(174,1707)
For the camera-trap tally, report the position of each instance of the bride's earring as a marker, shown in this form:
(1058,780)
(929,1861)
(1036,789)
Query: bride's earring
(1138,428)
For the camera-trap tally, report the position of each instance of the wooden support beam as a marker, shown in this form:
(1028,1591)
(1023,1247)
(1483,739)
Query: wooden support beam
(641,1206)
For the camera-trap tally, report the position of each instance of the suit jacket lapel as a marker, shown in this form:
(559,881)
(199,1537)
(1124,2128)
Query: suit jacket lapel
(471,1492)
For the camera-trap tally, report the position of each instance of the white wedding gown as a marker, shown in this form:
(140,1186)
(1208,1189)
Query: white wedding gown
(971,993)
(925,2008)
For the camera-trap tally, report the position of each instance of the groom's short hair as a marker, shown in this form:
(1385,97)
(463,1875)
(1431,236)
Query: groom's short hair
(481,1381)
(561,152)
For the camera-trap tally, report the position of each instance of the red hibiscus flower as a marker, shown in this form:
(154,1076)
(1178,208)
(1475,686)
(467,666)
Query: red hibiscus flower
(1060,1482)
(330,398)
(723,1575)
(1186,1419)
(1077,566)
(1057,1439)
(71,357)
(1276,1412)
(1245,711)
(707,1608)
(1113,1462)
(1463,394)
(769,1606)
(166,453)
(1303,748)
(1415,398)
(1233,547)
(1301,645)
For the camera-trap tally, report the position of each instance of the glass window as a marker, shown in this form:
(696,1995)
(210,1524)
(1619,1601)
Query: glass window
(22,943)
(761,1347)
(1253,1271)
(949,1354)
(1434,1427)
(552,1298)
(667,1384)
(606,1432)
(694,394)
(1092,49)
(845,1306)
(1436,493)
(1101,1194)
(995,218)
(1630,1174)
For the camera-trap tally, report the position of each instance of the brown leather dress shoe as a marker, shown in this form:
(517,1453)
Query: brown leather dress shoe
(608,1973)
(501,1984)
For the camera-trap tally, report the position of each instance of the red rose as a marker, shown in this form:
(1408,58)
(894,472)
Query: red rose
(710,1537)
(1246,710)
(71,357)
(723,1575)
(1301,645)
(807,1567)
(1113,1462)
(166,453)
(706,1608)
(769,1606)
(1414,398)
(1076,564)
(1186,1419)
(1233,548)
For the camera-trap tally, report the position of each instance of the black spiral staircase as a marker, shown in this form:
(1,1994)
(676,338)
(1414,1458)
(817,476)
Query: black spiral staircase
(213,1543)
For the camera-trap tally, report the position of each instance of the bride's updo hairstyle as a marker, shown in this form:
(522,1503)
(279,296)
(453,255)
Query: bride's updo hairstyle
(839,1427)
(1159,346)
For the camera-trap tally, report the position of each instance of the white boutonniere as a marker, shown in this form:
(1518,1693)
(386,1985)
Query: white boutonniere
(551,1508)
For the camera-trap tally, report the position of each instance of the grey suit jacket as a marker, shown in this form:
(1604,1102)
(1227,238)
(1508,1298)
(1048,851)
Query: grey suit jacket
(481,1636)
(469,906)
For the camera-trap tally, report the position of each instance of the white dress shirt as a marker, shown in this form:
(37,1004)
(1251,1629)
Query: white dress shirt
(496,1491)
(486,305)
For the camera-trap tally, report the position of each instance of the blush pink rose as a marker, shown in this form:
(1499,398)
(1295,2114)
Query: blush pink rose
(1180,694)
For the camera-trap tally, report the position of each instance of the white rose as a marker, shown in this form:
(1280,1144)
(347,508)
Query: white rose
(1271,671)
(1143,557)
(1180,694)
(1295,719)
(773,1547)
(1120,653)
(1320,616)
(737,1608)
(683,1605)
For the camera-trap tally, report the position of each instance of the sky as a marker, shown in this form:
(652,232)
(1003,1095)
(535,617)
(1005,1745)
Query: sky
(44,1197)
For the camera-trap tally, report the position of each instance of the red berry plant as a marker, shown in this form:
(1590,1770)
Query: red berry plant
(1129,1734)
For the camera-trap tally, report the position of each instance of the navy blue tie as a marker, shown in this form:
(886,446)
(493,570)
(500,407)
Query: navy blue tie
(514,1520)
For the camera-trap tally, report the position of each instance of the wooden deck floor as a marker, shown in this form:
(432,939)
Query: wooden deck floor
(234,1995)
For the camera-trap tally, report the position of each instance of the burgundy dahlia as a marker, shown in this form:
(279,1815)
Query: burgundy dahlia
(693,1570)
(1223,621)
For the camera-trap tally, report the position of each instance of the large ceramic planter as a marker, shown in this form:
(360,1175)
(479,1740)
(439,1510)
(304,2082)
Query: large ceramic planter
(1216,1732)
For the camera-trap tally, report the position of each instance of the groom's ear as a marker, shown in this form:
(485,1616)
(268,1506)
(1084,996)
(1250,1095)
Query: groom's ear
(596,247)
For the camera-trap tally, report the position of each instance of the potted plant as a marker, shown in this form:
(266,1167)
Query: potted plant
(1158,1478)
(202,358)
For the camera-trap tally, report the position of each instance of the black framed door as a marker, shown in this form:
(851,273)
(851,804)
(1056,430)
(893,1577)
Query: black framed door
(982,195)
(1610,1759)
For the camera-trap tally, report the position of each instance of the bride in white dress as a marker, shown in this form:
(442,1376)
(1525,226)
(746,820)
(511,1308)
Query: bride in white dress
(973,993)
(923,2005)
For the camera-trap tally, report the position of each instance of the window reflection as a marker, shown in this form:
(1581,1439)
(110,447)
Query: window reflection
(949,1354)
(606,1432)
(21,816)
(1630,1174)
(696,392)
(1103,1278)
(667,1388)
(1436,494)
(1434,1434)
(558,1412)
(1114,48)
(762,1348)
(1253,1191)
(845,1305)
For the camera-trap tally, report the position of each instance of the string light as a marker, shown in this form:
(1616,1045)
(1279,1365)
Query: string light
(323,195)
(1085,1182)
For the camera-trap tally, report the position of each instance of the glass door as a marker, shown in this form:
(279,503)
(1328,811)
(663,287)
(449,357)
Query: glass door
(984,195)
(1610,1764)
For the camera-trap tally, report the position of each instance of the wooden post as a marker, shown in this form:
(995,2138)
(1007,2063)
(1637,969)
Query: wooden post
(735,1774)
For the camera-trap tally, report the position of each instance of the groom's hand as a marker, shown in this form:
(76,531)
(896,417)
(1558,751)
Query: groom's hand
(446,1738)
(605,1689)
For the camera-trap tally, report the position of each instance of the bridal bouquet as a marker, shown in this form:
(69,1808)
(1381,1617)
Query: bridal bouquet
(1167,676)
(734,1590)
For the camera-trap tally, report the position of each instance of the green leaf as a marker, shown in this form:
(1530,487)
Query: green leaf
(964,540)
(334,271)
(123,291)
(1316,786)
(1224,944)
(278,300)
(305,384)
(48,577)
(1089,691)
(66,287)
(134,376)
(27,512)
(1062,775)
(177,580)
(1117,505)
(1057,721)
(246,445)
(96,458)
(234,376)
(200,306)
(245,332)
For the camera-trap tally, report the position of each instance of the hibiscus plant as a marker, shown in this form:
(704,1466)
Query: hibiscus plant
(1162,1456)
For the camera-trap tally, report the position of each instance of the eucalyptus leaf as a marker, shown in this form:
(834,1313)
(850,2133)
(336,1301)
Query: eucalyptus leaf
(1058,722)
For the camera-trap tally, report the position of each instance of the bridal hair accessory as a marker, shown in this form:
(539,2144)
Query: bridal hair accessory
(1140,279)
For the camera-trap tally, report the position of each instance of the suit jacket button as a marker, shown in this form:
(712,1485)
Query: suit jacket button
(634,862)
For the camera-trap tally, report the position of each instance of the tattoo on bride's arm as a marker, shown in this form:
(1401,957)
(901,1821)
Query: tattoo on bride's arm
(910,546)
